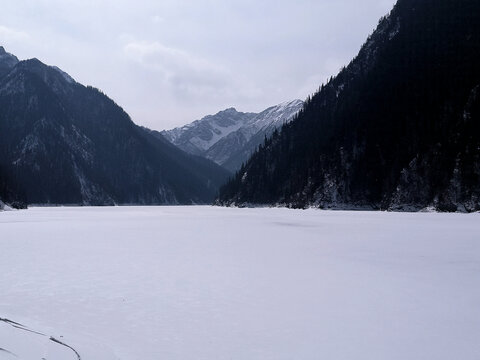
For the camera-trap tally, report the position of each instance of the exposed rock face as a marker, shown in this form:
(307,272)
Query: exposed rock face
(230,137)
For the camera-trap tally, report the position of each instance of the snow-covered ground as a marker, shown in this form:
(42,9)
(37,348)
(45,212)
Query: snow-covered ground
(211,283)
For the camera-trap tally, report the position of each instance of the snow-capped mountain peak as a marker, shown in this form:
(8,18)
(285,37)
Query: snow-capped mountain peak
(278,115)
(200,135)
(230,136)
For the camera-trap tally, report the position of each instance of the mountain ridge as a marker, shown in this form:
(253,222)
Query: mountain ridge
(397,129)
(229,137)
(64,143)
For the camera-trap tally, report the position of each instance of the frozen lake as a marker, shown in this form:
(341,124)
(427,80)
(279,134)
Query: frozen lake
(202,283)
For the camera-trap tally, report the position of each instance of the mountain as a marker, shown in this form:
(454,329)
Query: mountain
(7,61)
(64,143)
(398,128)
(230,137)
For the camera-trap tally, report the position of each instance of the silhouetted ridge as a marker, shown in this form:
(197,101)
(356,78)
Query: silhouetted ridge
(398,128)
(64,143)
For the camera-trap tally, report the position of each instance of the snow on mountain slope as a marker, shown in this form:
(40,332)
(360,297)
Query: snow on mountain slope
(234,149)
(199,136)
(226,135)
(277,115)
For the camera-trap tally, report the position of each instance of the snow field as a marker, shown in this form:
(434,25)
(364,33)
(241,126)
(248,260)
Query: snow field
(213,283)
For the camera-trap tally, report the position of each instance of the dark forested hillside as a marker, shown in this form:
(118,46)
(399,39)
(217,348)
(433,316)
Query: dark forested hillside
(64,143)
(398,128)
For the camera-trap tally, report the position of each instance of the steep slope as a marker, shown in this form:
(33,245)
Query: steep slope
(235,149)
(398,128)
(230,137)
(196,138)
(7,61)
(64,143)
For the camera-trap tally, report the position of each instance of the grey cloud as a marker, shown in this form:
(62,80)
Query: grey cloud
(172,61)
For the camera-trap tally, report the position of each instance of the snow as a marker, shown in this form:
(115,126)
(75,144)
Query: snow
(213,283)
(65,76)
(14,83)
(223,130)
(276,116)
(201,135)
(217,132)
(396,29)
(4,207)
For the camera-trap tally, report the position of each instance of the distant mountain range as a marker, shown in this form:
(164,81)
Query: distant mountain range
(230,137)
(64,143)
(398,128)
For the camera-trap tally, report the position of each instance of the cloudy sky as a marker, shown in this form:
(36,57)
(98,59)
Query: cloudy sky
(169,62)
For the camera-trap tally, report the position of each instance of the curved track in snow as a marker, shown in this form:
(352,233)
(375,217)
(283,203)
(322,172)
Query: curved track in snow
(20,332)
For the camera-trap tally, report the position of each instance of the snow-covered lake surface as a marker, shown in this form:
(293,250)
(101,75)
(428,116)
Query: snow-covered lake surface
(198,283)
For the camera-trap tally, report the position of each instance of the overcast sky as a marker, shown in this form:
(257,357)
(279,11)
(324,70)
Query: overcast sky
(169,62)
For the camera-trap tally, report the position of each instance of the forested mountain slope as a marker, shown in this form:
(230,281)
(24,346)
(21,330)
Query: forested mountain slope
(398,128)
(64,143)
